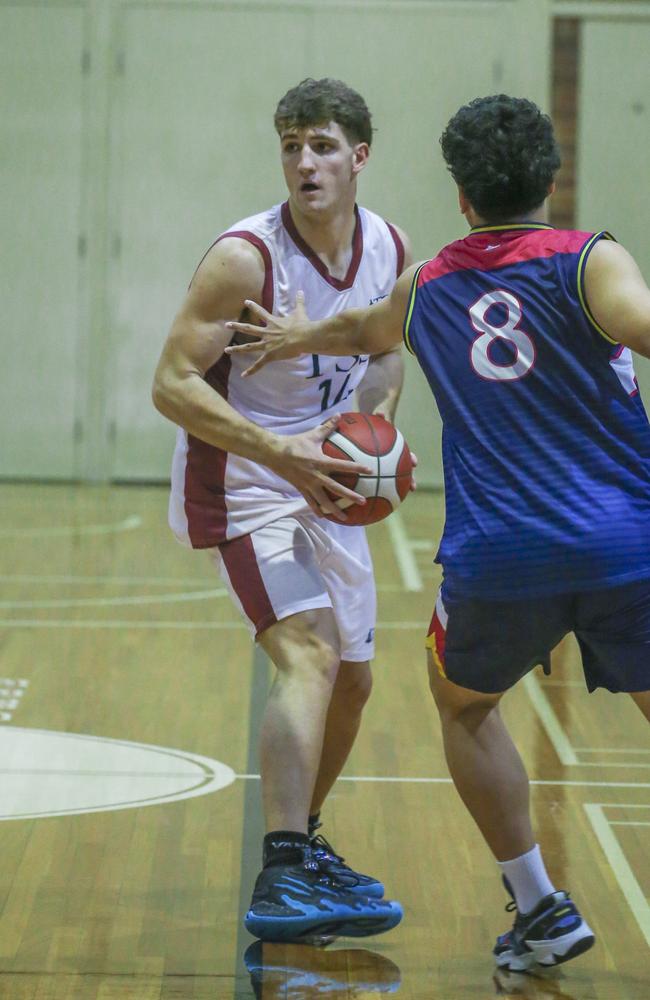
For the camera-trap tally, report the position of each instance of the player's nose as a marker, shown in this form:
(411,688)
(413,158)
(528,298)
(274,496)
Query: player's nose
(306,161)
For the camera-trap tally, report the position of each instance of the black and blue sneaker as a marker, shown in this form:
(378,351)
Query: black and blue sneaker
(552,933)
(299,901)
(292,970)
(333,864)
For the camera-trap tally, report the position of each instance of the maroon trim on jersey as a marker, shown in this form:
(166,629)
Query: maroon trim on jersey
(341,284)
(240,561)
(205,471)
(513,246)
(205,474)
(259,244)
(399,247)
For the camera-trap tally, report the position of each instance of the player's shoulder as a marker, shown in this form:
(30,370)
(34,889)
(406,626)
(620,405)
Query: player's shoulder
(261,226)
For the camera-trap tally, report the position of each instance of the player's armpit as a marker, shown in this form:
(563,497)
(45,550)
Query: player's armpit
(618,296)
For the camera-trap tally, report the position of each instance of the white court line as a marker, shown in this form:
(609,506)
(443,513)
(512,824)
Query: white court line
(112,602)
(421,545)
(135,581)
(619,864)
(447,781)
(629,822)
(613,750)
(128,524)
(548,718)
(403,552)
(160,624)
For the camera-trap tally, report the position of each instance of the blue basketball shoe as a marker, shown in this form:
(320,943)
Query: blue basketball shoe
(333,864)
(552,933)
(300,902)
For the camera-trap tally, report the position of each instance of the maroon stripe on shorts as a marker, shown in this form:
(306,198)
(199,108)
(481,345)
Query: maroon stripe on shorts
(241,564)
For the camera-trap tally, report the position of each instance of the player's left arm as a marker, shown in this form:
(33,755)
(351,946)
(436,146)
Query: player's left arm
(617,295)
(381,387)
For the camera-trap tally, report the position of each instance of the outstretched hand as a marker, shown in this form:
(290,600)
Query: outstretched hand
(303,464)
(280,337)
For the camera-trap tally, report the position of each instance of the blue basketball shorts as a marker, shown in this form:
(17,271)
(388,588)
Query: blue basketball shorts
(489,645)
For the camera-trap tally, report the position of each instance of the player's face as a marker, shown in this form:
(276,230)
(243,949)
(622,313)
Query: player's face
(320,167)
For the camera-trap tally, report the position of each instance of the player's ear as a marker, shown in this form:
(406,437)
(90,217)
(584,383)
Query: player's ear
(463,201)
(360,157)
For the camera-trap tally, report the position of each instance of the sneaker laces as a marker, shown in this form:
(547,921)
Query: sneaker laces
(319,843)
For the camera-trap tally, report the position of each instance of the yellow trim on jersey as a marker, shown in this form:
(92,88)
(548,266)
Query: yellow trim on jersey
(513,225)
(409,311)
(581,278)
(430,643)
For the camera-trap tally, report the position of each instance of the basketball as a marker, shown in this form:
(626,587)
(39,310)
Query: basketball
(372,441)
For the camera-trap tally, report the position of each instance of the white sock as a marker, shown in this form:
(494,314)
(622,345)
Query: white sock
(528,879)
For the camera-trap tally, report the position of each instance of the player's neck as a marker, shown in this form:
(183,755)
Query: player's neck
(538,215)
(328,234)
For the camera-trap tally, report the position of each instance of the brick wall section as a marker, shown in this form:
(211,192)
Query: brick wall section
(566,51)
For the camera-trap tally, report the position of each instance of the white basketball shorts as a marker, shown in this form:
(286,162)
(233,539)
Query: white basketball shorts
(298,563)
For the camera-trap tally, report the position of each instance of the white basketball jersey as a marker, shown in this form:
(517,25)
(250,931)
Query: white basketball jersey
(217,495)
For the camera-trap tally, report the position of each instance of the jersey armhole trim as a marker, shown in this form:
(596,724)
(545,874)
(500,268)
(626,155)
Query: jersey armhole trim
(409,311)
(582,295)
(399,248)
(260,245)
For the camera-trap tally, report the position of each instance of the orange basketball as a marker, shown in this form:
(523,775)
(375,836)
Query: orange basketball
(373,442)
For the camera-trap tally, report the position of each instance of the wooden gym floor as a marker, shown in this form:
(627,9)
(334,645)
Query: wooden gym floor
(130,800)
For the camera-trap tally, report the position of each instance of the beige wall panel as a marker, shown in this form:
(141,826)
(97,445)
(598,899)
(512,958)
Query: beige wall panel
(40,184)
(614,142)
(194,150)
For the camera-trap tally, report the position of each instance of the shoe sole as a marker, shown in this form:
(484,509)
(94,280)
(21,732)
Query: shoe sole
(548,953)
(304,929)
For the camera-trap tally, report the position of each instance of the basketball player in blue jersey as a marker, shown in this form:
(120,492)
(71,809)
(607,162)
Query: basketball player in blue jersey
(525,334)
(249,477)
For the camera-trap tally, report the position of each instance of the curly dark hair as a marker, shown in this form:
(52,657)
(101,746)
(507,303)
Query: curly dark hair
(502,152)
(316,102)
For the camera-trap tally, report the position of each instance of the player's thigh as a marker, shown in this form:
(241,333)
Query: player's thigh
(642,700)
(613,632)
(487,646)
(346,568)
(272,574)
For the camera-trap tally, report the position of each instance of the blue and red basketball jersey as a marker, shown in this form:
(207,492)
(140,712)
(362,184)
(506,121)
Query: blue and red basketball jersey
(546,444)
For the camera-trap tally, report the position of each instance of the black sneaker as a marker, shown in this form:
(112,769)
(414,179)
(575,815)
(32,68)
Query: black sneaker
(299,901)
(552,933)
(333,864)
(292,970)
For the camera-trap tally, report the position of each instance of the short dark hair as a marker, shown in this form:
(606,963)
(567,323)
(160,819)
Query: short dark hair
(502,152)
(316,102)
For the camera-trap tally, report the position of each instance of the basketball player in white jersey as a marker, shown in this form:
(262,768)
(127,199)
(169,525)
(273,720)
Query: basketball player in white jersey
(249,478)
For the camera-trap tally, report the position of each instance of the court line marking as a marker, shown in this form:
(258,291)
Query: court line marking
(128,524)
(403,552)
(128,581)
(108,602)
(566,752)
(620,866)
(448,781)
(556,734)
(629,822)
(161,624)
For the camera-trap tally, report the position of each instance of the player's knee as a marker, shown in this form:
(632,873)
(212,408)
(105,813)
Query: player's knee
(353,686)
(458,704)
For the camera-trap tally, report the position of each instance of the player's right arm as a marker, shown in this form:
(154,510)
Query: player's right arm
(233,271)
(617,296)
(374,330)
